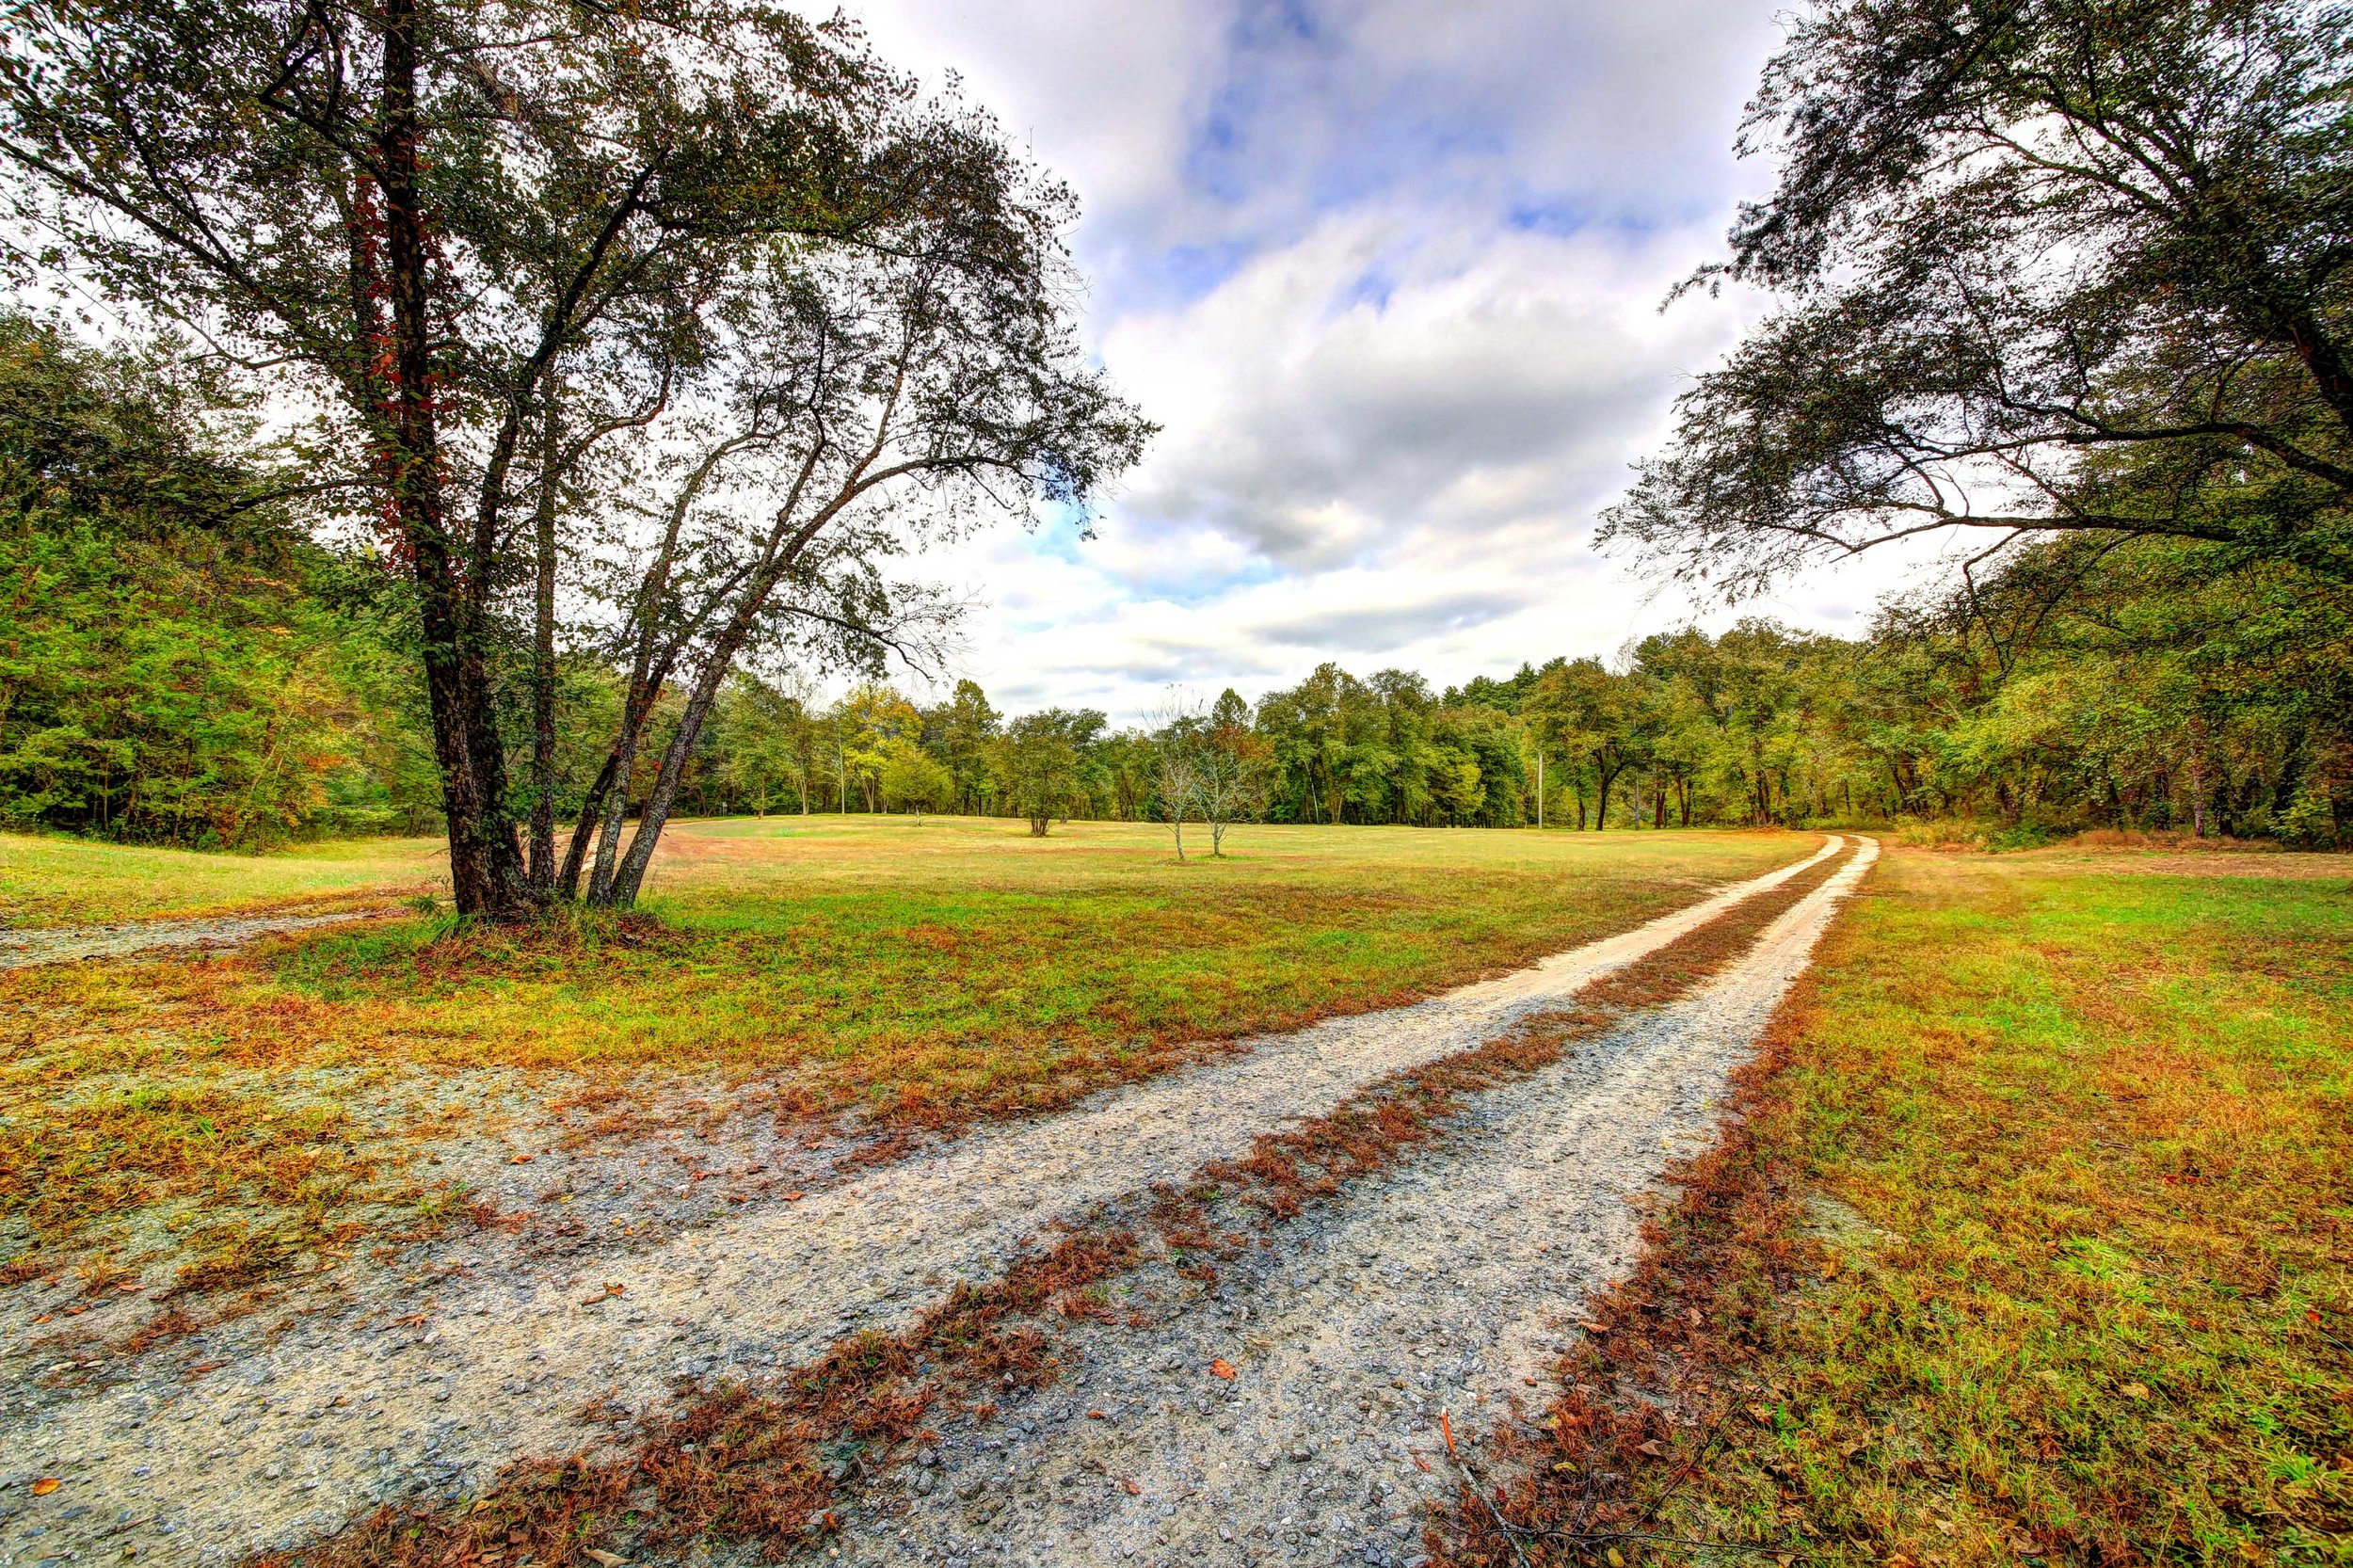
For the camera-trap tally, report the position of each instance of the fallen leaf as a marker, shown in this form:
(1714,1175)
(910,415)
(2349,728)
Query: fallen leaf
(203,1366)
(1616,1558)
(2135,1391)
(414,1320)
(1592,1327)
(482,1504)
(1096,1416)
(1651,1447)
(794,1197)
(44,1317)
(1134,1490)
(1530,1382)
(610,1559)
(523,1159)
(47,1484)
(1446,1428)
(1222,1368)
(132,1288)
(1759,1415)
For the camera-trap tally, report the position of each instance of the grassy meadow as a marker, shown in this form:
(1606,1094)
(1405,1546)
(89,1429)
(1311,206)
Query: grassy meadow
(919,971)
(2093,1112)
(57,880)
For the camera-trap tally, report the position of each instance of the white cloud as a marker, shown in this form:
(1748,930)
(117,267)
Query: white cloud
(1388,275)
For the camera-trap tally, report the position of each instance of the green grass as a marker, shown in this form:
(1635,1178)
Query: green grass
(2103,1119)
(962,958)
(58,881)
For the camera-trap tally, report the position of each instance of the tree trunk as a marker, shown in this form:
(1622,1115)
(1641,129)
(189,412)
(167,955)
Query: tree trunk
(624,763)
(591,813)
(631,875)
(484,859)
(542,860)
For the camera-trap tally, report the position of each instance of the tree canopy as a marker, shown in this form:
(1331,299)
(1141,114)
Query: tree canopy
(2048,267)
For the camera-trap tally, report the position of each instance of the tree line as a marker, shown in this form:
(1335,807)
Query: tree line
(182,661)
(511,387)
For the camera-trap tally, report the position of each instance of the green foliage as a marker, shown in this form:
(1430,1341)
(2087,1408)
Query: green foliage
(168,671)
(2063,266)
(1039,760)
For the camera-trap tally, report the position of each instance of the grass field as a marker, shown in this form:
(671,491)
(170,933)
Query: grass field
(919,971)
(2038,1241)
(58,881)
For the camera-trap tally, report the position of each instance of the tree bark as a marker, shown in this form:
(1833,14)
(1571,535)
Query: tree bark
(542,861)
(484,859)
(631,873)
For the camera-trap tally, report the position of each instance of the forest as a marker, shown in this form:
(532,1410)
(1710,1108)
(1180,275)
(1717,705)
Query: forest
(186,662)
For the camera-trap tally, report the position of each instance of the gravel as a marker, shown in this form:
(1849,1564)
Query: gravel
(293,1432)
(1446,1286)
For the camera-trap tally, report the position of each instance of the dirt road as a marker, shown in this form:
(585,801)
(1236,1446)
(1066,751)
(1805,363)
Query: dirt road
(1425,1279)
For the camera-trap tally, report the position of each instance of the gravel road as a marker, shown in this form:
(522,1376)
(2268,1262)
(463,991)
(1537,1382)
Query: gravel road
(1452,1285)
(285,1435)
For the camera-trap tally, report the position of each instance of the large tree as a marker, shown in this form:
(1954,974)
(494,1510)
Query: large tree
(900,390)
(2050,266)
(414,214)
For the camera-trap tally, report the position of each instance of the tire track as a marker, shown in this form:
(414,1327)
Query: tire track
(1452,1283)
(286,1440)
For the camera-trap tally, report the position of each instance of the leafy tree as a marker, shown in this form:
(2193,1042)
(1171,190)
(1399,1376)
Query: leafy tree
(871,721)
(920,383)
(168,670)
(912,780)
(452,220)
(961,730)
(1038,758)
(1590,708)
(1228,765)
(753,732)
(2057,266)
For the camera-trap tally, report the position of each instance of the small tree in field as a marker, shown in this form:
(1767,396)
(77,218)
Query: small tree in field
(1177,745)
(1229,765)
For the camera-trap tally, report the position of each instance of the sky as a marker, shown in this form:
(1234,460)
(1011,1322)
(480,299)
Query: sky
(1388,273)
